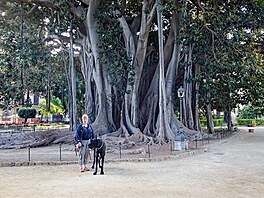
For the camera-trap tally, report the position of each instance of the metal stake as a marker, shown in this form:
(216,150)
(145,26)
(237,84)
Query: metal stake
(120,150)
(171,146)
(29,153)
(60,151)
(148,150)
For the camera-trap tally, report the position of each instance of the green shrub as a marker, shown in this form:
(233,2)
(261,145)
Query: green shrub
(217,122)
(247,122)
(27,113)
(203,122)
(251,112)
(260,122)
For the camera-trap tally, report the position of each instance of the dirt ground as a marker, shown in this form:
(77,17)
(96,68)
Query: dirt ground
(232,168)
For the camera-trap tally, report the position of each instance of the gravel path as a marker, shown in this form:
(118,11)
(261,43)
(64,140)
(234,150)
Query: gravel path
(233,168)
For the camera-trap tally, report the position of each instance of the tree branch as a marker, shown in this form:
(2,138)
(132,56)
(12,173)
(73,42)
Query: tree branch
(33,9)
(210,30)
(151,15)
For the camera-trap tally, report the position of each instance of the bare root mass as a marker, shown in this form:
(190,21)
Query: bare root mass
(36,139)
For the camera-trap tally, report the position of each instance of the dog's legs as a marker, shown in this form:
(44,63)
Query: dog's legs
(96,160)
(102,166)
(100,161)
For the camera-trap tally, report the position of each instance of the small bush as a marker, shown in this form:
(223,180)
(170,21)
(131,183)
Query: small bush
(27,113)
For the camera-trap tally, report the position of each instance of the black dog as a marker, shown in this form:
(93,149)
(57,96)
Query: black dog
(99,154)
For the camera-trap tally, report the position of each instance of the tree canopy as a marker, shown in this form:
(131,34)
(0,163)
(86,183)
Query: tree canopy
(130,72)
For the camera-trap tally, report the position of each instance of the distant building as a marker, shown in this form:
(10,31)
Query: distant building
(9,116)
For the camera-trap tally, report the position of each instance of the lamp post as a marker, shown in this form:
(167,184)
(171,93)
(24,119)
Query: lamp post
(180,139)
(181,92)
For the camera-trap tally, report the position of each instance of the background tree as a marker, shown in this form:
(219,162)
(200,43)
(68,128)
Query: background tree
(56,107)
(26,58)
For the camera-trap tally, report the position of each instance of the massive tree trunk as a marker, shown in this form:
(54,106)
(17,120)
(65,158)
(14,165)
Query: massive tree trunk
(150,117)
(150,103)
(173,67)
(87,64)
(162,99)
(187,84)
(146,21)
(103,122)
(126,125)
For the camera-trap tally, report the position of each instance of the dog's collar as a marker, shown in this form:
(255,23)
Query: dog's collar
(101,145)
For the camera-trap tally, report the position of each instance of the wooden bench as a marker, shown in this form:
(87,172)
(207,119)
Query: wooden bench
(251,130)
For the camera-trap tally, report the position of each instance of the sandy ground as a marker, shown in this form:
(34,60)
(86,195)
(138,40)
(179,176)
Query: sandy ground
(233,168)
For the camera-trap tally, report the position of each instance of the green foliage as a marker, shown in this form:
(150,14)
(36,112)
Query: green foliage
(259,3)
(56,107)
(25,57)
(230,68)
(217,122)
(260,122)
(249,122)
(27,113)
(250,112)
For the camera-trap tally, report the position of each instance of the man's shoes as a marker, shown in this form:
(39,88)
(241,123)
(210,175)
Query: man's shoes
(86,169)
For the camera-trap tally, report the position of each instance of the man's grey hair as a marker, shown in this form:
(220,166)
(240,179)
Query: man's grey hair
(85,116)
